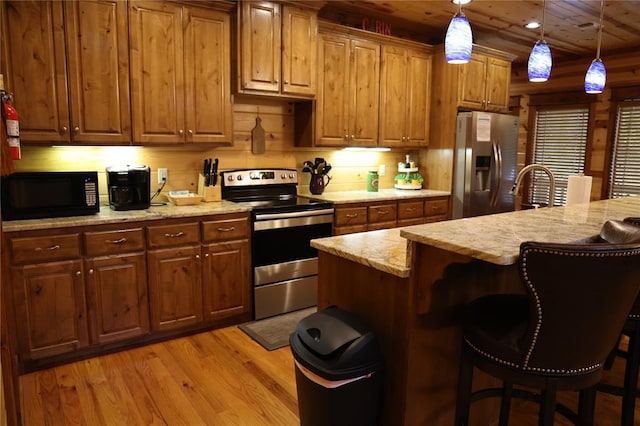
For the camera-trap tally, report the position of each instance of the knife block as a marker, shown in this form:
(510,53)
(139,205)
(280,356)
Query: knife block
(208,193)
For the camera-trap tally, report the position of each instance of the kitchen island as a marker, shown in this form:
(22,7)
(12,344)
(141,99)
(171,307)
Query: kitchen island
(410,284)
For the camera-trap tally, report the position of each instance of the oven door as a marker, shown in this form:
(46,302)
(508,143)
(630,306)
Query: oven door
(285,266)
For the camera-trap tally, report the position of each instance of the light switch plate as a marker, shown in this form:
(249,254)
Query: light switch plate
(162,175)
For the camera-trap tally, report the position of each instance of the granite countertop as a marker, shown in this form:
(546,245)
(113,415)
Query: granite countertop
(108,216)
(493,238)
(344,197)
(384,249)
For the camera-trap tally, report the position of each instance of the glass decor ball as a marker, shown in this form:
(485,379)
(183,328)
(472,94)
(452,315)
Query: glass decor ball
(458,41)
(596,77)
(539,66)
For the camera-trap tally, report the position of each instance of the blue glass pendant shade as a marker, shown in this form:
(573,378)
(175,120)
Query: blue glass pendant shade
(540,62)
(596,77)
(458,41)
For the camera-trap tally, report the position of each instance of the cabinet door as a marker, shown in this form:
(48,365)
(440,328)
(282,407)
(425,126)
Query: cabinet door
(34,54)
(364,91)
(393,96)
(498,81)
(226,279)
(157,74)
(418,98)
(117,297)
(260,46)
(333,77)
(299,51)
(175,287)
(472,83)
(207,53)
(50,308)
(98,67)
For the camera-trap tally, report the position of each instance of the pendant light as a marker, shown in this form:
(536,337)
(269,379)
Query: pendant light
(539,66)
(458,41)
(596,76)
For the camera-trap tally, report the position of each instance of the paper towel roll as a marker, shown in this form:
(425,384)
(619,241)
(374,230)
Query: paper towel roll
(578,189)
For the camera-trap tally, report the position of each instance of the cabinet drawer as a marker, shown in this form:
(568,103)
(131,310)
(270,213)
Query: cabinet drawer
(382,213)
(229,229)
(350,216)
(349,229)
(436,207)
(409,209)
(114,242)
(42,249)
(173,235)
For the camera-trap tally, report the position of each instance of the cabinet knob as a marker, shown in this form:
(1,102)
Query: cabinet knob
(91,271)
(64,129)
(181,132)
(78,273)
(76,129)
(286,82)
(206,255)
(351,137)
(197,257)
(277,81)
(190,132)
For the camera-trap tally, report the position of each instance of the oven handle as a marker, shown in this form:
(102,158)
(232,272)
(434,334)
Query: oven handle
(305,213)
(287,221)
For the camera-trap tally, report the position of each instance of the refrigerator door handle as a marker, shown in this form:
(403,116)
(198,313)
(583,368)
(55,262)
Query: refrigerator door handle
(497,175)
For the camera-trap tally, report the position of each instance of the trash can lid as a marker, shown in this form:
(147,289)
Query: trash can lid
(335,345)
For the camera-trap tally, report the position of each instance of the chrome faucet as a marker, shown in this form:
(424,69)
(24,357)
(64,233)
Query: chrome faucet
(532,167)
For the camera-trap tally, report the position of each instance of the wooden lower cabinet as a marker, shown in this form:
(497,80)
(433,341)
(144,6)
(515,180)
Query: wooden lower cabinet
(175,287)
(360,217)
(79,291)
(49,303)
(117,297)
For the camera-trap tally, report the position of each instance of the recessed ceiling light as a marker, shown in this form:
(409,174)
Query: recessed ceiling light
(461,1)
(532,25)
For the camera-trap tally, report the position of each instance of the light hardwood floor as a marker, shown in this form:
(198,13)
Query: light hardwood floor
(214,378)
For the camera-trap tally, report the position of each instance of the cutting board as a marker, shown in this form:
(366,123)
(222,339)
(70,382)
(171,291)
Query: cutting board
(257,138)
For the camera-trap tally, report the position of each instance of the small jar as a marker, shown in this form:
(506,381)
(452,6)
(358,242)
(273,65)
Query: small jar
(372,181)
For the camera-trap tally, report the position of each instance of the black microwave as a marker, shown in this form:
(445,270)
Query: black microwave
(35,195)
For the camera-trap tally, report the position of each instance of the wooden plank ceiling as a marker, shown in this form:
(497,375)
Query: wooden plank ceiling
(571,26)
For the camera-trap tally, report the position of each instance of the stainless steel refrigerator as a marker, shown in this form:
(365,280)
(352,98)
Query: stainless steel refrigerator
(485,163)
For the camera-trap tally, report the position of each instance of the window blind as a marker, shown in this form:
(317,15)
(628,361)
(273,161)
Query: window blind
(560,143)
(624,176)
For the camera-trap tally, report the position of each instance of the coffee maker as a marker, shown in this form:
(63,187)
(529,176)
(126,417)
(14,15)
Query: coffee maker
(129,187)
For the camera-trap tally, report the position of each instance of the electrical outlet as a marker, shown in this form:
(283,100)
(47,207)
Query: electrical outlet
(382,169)
(162,175)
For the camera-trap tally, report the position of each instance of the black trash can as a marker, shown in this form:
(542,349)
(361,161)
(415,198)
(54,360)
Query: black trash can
(338,370)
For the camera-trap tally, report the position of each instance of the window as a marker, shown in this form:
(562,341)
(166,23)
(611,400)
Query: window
(560,141)
(624,175)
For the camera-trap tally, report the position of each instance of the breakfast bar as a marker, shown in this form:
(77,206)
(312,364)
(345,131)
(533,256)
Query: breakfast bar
(409,285)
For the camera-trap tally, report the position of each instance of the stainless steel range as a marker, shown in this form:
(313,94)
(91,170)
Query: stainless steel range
(285,266)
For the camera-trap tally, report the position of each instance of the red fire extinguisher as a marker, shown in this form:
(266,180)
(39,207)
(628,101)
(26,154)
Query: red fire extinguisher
(10,115)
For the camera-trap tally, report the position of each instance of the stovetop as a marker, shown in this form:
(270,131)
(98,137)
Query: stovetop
(267,190)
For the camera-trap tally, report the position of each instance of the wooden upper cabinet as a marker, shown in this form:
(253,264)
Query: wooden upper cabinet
(405,96)
(484,84)
(180,73)
(277,49)
(67,65)
(348,92)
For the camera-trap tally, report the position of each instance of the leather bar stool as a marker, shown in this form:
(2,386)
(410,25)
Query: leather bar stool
(625,232)
(557,336)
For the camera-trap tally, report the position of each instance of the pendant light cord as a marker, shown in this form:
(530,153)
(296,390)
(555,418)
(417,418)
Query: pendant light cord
(600,28)
(544,8)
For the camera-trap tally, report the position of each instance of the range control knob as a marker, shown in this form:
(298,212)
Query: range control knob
(230,178)
(283,176)
(239,177)
(290,175)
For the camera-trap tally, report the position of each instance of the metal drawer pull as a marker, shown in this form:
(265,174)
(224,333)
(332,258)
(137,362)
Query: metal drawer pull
(54,247)
(120,241)
(351,216)
(383,211)
(179,234)
(233,228)
(410,209)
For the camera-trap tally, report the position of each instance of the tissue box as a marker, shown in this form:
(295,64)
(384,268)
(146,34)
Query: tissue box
(209,193)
